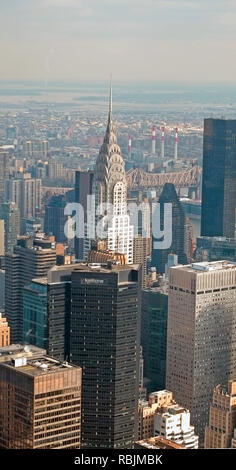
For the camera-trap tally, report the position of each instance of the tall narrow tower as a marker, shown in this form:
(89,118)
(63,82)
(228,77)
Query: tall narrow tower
(129,146)
(219,178)
(176,143)
(110,189)
(153,140)
(162,142)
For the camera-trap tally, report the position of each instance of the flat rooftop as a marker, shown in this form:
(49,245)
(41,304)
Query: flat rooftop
(207,266)
(104,268)
(40,365)
(159,393)
(21,348)
(159,442)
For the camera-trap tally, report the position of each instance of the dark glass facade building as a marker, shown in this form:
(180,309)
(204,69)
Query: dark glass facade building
(215,249)
(160,256)
(83,188)
(154,337)
(55,220)
(219,178)
(105,328)
(47,310)
(10,213)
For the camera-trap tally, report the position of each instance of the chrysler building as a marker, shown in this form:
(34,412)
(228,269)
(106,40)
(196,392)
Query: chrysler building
(110,189)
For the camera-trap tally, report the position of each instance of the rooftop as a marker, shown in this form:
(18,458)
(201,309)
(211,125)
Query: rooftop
(13,351)
(159,443)
(207,266)
(40,365)
(105,268)
(20,348)
(159,393)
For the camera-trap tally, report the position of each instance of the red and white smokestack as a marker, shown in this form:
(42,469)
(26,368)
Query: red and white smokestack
(162,142)
(153,140)
(176,143)
(129,145)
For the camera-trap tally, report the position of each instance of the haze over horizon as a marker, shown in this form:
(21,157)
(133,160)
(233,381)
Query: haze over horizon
(164,40)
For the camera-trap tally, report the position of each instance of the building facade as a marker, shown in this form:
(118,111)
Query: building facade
(26,193)
(222,417)
(173,423)
(215,249)
(154,336)
(110,191)
(178,238)
(47,311)
(4,172)
(140,255)
(9,212)
(55,219)
(201,334)
(83,190)
(41,404)
(31,258)
(4,332)
(147,410)
(219,178)
(105,328)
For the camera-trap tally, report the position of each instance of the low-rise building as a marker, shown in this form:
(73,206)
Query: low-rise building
(157,443)
(173,423)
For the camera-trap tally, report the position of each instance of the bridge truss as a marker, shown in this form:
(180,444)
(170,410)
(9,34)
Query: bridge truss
(138,179)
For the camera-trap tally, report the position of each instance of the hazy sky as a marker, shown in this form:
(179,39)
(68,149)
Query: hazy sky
(174,40)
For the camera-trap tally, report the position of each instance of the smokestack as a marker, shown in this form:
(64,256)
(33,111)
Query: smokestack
(153,140)
(129,145)
(162,142)
(176,143)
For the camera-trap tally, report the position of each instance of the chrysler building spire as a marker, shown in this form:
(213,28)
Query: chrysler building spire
(110,188)
(110,100)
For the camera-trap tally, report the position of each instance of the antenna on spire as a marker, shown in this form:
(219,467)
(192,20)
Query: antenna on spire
(110,100)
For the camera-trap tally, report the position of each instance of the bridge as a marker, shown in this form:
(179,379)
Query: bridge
(138,179)
(54,190)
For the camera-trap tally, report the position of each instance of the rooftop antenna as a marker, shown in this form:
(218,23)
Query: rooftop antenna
(110,100)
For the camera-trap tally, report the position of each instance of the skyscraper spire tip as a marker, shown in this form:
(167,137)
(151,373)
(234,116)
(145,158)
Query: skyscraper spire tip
(110,101)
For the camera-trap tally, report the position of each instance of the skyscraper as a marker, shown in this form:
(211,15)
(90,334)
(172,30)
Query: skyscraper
(44,147)
(105,342)
(177,247)
(31,258)
(215,249)
(47,311)
(219,178)
(83,189)
(10,213)
(140,255)
(2,289)
(40,404)
(4,171)
(4,332)
(2,237)
(26,193)
(201,334)
(222,417)
(55,220)
(28,149)
(154,336)
(110,189)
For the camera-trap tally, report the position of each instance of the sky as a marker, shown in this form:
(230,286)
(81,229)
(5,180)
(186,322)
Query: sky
(135,40)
